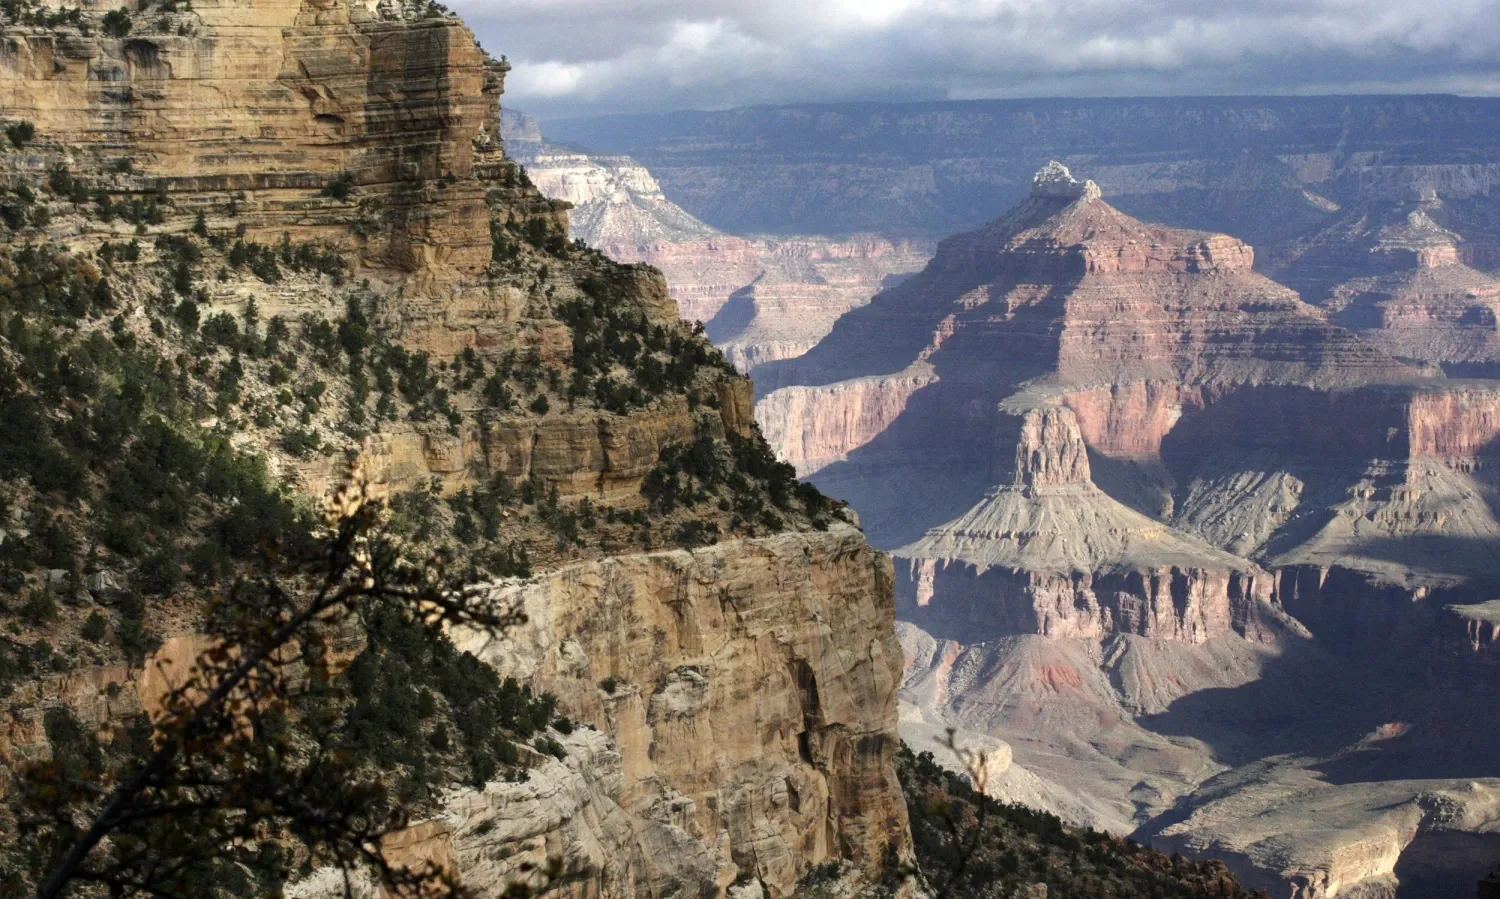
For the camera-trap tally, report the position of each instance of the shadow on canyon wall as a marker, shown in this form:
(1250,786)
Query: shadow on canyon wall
(1363,704)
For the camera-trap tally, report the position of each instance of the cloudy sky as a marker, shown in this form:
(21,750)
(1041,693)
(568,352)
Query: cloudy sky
(582,57)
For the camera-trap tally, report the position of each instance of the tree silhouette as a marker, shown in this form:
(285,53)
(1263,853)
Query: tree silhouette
(234,782)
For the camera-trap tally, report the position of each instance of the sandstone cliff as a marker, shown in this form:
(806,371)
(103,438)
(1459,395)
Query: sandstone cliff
(331,174)
(748,688)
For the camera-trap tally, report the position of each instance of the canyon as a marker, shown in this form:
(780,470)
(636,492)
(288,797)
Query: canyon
(1173,491)
(1264,169)
(760,298)
(1197,559)
(1178,480)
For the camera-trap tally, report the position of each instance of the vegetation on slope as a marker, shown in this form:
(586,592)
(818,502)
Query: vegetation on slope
(159,423)
(970,845)
(260,764)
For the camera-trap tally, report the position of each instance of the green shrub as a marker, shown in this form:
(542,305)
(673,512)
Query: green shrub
(94,627)
(40,608)
(300,443)
(697,533)
(131,633)
(549,746)
(186,315)
(20,133)
(159,574)
(116,23)
(339,188)
(222,329)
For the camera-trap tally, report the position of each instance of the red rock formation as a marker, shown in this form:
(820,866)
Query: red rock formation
(1294,494)
(1128,421)
(815,427)
(1458,423)
(1130,325)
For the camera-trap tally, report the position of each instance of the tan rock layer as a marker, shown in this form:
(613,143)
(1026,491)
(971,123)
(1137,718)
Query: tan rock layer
(813,426)
(752,686)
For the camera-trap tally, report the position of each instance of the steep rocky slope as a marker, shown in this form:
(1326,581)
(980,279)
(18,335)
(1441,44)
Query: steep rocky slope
(762,299)
(243,240)
(1013,850)
(1153,518)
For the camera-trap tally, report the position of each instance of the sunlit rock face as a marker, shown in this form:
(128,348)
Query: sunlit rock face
(751,734)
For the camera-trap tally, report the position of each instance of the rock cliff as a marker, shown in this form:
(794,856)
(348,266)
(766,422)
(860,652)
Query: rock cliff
(748,689)
(323,188)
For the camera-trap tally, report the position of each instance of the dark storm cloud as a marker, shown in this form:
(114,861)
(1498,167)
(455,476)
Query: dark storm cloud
(588,56)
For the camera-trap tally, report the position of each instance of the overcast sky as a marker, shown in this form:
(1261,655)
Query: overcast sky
(581,57)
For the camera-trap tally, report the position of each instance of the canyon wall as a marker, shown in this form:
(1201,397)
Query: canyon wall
(1261,168)
(748,688)
(1406,271)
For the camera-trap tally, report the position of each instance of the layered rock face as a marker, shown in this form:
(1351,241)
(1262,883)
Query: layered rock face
(1153,516)
(762,299)
(616,203)
(743,749)
(751,729)
(804,285)
(749,692)
(1051,554)
(274,102)
(1064,300)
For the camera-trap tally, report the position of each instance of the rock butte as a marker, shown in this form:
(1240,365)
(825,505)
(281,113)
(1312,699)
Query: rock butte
(755,728)
(1155,520)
